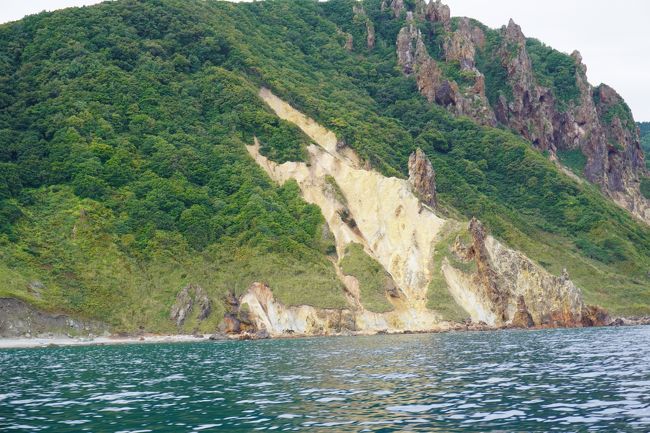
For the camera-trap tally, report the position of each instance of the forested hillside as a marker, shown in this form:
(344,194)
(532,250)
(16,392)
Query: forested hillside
(124,174)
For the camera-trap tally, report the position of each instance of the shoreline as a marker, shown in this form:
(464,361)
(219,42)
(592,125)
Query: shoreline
(66,341)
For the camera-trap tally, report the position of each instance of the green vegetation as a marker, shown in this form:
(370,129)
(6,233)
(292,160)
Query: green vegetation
(619,110)
(438,296)
(374,282)
(489,63)
(644,128)
(645,187)
(574,159)
(555,70)
(124,173)
(336,189)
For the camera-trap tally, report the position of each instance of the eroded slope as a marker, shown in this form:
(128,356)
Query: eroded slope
(395,228)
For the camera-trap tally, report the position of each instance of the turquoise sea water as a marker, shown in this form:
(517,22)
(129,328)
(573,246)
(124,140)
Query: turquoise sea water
(554,380)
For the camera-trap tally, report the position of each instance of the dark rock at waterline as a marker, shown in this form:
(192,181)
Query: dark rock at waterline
(218,337)
(18,318)
(617,322)
(522,318)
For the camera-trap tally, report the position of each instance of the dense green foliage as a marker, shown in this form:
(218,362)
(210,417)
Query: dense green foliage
(374,282)
(554,70)
(574,159)
(125,174)
(489,63)
(137,118)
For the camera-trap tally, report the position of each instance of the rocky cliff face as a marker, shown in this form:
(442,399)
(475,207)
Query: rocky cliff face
(505,287)
(531,110)
(387,217)
(423,178)
(19,319)
(459,46)
(597,122)
(414,58)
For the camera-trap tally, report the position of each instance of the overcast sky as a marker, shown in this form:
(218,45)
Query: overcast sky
(613,37)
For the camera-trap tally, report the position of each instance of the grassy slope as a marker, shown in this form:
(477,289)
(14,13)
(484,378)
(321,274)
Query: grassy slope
(373,279)
(130,72)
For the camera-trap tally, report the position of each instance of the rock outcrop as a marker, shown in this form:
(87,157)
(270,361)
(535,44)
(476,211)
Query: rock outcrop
(531,108)
(611,144)
(360,16)
(522,318)
(413,57)
(186,299)
(401,234)
(597,122)
(507,288)
(437,12)
(460,45)
(396,6)
(423,178)
(19,319)
(272,316)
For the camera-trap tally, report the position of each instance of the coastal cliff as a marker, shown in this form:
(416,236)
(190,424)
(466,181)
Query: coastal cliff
(396,223)
(400,170)
(576,117)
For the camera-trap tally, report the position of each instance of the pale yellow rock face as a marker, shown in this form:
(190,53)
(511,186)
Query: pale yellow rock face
(391,223)
(467,294)
(396,229)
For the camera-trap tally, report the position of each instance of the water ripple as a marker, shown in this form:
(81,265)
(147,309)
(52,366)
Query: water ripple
(553,380)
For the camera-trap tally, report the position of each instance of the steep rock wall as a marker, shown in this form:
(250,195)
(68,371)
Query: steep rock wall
(597,121)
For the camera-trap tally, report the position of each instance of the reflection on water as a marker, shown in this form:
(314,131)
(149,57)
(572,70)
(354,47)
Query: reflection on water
(555,380)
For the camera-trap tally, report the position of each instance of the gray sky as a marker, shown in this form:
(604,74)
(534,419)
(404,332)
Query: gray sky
(613,37)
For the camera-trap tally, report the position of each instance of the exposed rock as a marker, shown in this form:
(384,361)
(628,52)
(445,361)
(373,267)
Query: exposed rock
(17,319)
(625,162)
(422,177)
(401,234)
(406,49)
(189,296)
(230,324)
(612,145)
(275,318)
(437,12)
(349,42)
(594,316)
(459,45)
(36,288)
(414,58)
(397,6)
(617,322)
(360,15)
(492,291)
(531,110)
(522,318)
(446,94)
(370,35)
(218,336)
